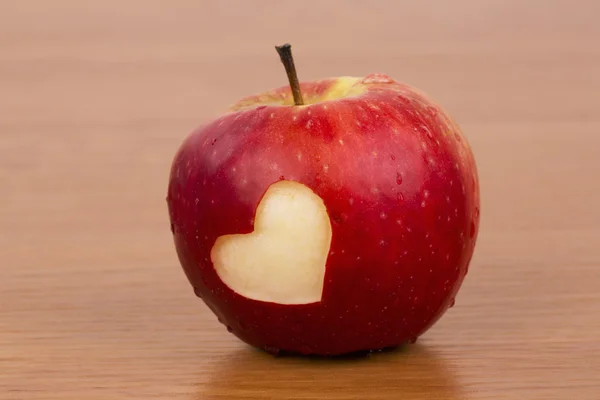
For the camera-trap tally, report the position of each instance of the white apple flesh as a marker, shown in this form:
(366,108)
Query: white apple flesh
(283,260)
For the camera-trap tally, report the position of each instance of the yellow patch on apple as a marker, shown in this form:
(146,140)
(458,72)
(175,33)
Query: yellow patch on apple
(283,260)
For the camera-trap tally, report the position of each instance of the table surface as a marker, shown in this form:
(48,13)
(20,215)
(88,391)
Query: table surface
(96,97)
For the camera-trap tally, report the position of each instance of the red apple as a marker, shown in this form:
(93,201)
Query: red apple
(343,224)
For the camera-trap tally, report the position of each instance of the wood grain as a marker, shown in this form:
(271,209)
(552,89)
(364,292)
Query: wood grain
(95,97)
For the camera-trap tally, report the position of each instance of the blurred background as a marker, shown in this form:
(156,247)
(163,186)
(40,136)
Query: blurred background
(95,98)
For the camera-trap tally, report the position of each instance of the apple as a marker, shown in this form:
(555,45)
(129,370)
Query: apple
(326,217)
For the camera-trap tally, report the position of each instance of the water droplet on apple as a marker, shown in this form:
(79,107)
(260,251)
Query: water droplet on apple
(377,78)
(261,107)
(213,142)
(229,329)
(425,129)
(197,292)
(400,198)
(243,326)
(476,212)
(413,340)
(172,228)
(472,231)
(336,217)
(339,217)
(306,349)
(433,111)
(393,157)
(281,177)
(452,302)
(272,350)
(399,178)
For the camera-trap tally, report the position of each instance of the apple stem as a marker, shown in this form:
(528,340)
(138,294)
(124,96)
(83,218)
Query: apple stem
(285,54)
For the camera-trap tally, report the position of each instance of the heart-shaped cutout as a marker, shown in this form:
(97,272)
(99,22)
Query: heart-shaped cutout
(283,259)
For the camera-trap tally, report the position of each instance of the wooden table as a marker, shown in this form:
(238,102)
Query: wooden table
(95,97)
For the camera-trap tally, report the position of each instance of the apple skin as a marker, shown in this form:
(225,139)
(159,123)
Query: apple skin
(400,184)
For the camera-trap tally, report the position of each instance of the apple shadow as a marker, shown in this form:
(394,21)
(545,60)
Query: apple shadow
(411,372)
